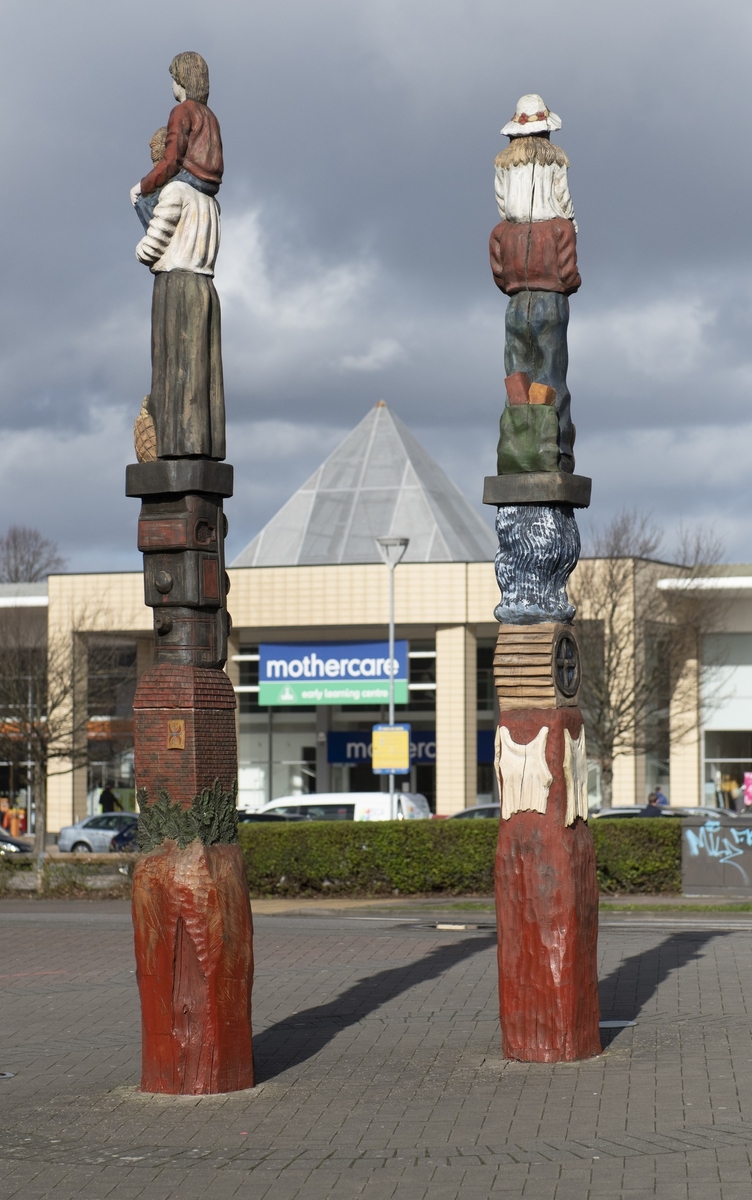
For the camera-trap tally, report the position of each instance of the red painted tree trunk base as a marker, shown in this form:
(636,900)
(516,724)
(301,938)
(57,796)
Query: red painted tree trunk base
(547,914)
(191,912)
(194,955)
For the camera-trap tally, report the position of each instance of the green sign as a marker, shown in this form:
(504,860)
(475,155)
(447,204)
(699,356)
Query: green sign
(308,691)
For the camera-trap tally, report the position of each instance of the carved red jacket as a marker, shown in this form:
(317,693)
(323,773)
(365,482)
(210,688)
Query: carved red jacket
(193,143)
(535,256)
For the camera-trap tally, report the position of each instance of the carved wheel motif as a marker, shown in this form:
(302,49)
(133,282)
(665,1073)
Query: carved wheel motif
(567,665)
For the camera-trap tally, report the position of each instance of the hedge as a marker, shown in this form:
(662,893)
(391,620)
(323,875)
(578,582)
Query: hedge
(640,854)
(369,858)
(385,858)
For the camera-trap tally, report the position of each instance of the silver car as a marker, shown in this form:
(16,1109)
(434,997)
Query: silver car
(478,810)
(93,834)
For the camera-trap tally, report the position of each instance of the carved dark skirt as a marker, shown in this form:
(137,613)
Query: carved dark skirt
(187,392)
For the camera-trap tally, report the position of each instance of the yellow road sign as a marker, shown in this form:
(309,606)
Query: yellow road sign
(390,749)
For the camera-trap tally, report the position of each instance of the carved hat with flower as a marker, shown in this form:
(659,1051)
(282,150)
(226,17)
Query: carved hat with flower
(531,116)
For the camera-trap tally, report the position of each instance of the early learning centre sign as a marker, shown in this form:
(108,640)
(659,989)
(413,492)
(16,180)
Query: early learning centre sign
(331,673)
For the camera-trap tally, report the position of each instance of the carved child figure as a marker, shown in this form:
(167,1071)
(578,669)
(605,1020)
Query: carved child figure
(534,256)
(193,143)
(145,205)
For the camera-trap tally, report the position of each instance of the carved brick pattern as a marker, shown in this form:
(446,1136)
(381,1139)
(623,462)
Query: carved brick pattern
(205,701)
(172,685)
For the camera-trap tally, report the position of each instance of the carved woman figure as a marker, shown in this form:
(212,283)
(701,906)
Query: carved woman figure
(180,247)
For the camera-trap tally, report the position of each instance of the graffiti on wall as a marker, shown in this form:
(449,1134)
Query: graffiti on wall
(724,842)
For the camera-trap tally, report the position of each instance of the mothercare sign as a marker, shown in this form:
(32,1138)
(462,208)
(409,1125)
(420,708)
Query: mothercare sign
(331,673)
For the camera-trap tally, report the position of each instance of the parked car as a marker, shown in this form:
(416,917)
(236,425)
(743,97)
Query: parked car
(10,845)
(631,810)
(478,810)
(635,810)
(351,806)
(124,842)
(265,817)
(94,834)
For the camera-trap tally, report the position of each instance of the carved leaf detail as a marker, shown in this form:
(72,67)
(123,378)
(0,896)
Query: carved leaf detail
(212,818)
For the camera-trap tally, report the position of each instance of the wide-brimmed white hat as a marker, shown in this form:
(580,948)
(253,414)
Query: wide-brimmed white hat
(531,116)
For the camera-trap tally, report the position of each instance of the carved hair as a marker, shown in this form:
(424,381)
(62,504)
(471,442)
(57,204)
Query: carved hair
(157,144)
(191,72)
(522,151)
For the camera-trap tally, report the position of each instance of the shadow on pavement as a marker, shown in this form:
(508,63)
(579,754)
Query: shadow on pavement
(299,1037)
(631,985)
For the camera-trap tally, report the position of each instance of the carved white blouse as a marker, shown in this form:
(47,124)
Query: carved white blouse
(533,192)
(183,234)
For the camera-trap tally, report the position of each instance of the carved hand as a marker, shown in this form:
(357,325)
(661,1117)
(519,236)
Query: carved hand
(135,193)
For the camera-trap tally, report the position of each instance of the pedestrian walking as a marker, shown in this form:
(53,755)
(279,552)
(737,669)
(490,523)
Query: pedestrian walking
(108,801)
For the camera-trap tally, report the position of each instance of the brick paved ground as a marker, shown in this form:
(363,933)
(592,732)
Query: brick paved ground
(378,1052)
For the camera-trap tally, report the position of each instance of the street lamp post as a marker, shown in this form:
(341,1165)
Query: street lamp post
(392,550)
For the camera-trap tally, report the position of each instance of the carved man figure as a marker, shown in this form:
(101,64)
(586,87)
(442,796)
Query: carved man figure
(180,248)
(534,255)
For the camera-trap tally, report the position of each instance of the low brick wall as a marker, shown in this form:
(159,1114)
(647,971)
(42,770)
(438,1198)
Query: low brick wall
(69,875)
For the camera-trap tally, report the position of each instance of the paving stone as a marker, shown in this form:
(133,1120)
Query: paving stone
(380,1071)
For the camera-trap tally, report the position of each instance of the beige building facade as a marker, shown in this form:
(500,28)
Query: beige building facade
(442,608)
(313,575)
(444,611)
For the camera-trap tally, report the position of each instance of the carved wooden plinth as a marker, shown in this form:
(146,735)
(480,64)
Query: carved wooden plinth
(194,954)
(546,890)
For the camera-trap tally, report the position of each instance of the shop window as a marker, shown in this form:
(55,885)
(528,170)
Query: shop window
(486,697)
(421,677)
(111,678)
(486,783)
(727,650)
(728,757)
(735,744)
(425,783)
(248,670)
(360,778)
(111,683)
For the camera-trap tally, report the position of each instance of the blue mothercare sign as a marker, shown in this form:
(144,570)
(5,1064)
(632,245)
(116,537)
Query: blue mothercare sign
(354,747)
(331,673)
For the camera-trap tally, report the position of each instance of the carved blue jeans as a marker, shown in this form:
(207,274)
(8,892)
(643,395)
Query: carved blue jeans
(536,342)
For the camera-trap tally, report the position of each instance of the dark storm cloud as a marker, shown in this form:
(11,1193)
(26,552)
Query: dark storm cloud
(358,200)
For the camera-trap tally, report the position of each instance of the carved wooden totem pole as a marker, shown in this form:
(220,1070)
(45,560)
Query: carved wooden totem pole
(191,911)
(546,888)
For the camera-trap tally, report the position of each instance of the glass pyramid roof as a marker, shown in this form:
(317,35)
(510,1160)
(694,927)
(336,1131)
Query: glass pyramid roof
(378,482)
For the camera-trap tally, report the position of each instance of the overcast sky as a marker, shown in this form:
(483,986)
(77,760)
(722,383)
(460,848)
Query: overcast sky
(358,198)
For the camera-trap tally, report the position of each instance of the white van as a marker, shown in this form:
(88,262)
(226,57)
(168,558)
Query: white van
(351,806)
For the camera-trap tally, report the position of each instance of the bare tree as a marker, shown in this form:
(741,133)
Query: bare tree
(44,705)
(635,638)
(27,557)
